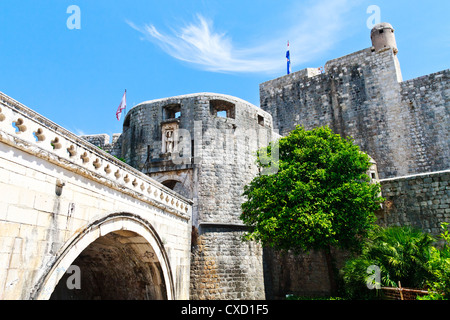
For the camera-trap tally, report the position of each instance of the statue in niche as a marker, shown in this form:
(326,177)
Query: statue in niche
(169,141)
(169,134)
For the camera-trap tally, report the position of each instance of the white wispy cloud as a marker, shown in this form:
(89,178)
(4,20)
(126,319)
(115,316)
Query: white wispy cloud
(79,132)
(313,31)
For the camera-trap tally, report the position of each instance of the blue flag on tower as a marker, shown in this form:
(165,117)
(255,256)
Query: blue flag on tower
(288,57)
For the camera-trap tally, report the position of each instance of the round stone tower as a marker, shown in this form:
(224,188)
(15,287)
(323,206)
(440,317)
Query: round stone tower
(383,38)
(203,146)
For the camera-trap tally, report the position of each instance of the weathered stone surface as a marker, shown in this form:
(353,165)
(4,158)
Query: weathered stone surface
(402,125)
(223,263)
(212,159)
(60,206)
(421,201)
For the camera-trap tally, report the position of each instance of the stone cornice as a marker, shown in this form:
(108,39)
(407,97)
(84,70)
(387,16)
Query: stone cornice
(26,130)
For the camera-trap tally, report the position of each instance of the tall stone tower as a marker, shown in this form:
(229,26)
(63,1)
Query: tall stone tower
(362,95)
(383,39)
(203,146)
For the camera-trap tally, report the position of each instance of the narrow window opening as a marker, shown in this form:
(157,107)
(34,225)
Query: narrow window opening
(222,109)
(261,120)
(149,150)
(172,111)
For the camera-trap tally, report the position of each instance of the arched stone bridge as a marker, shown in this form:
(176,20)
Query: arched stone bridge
(76,222)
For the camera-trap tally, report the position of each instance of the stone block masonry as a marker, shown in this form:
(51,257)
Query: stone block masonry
(402,125)
(223,267)
(104,142)
(426,113)
(203,145)
(421,201)
(304,274)
(64,201)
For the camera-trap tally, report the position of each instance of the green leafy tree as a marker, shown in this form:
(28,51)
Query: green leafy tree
(320,197)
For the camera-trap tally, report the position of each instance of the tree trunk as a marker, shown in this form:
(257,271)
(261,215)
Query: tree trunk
(331,271)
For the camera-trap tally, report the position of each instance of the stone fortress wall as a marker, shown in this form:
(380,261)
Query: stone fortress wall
(402,125)
(202,146)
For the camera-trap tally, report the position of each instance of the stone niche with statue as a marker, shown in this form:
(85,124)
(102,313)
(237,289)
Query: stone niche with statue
(169,130)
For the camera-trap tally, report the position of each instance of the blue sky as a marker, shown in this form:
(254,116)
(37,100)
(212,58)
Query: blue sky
(157,49)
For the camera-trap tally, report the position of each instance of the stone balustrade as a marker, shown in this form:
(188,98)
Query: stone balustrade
(29,131)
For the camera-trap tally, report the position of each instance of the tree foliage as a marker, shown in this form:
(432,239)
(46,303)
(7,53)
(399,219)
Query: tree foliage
(321,195)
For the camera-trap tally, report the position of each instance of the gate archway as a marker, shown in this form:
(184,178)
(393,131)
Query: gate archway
(120,257)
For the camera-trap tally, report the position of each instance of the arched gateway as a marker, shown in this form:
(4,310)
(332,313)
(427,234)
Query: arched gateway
(120,257)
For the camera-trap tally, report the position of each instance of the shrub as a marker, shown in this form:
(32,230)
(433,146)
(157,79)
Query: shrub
(401,254)
(439,264)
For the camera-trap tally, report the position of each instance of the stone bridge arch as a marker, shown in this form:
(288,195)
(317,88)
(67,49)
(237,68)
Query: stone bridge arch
(120,257)
(63,199)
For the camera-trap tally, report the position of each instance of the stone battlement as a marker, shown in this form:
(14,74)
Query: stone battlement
(403,125)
